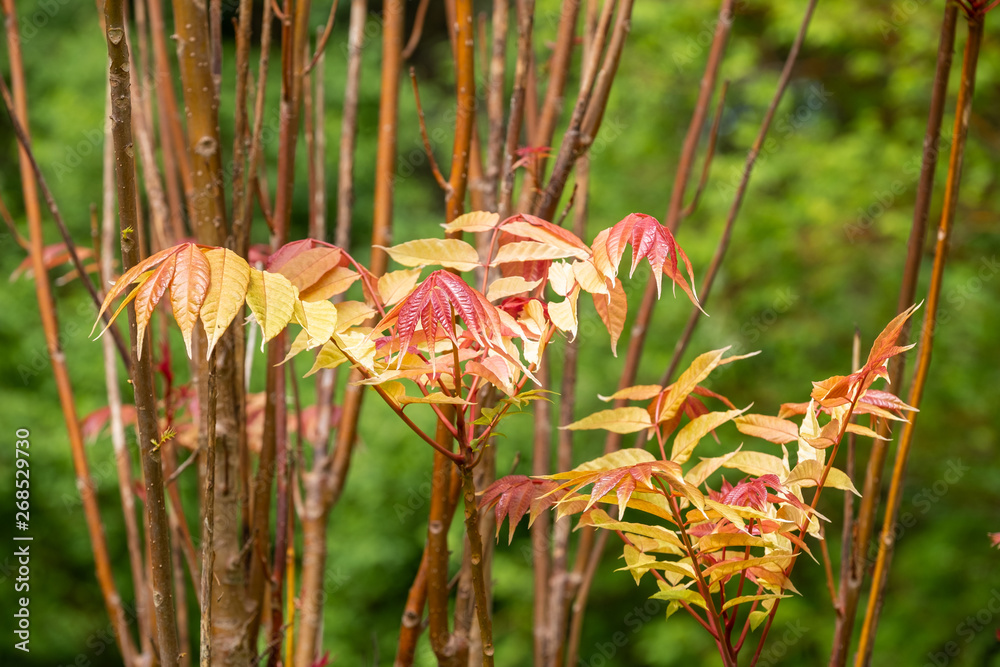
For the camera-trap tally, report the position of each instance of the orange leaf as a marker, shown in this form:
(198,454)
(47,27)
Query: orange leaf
(613,310)
(132,275)
(149,294)
(766,427)
(227,288)
(187,292)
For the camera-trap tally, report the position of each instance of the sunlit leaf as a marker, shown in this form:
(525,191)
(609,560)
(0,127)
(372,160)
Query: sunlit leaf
(188,289)
(766,427)
(149,294)
(450,253)
(809,473)
(617,420)
(271,297)
(227,288)
(501,288)
(689,436)
(473,221)
(395,285)
(612,310)
(528,251)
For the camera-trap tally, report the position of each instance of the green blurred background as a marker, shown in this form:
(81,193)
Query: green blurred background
(818,250)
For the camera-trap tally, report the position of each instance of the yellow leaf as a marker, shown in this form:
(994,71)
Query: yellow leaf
(528,251)
(473,221)
(271,297)
(352,313)
(227,287)
(333,282)
(563,314)
(699,369)
(757,464)
(561,278)
(750,598)
(618,420)
(809,472)
(639,392)
(502,288)
(318,318)
(450,253)
(329,356)
(689,436)
(766,427)
(590,279)
(395,285)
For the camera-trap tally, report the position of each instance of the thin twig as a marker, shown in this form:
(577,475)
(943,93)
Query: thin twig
(417,31)
(321,44)
(442,183)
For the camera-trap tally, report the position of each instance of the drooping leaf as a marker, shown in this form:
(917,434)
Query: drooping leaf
(130,277)
(335,281)
(650,240)
(318,318)
(271,297)
(637,393)
(513,496)
(188,289)
(612,310)
(527,226)
(149,294)
(563,314)
(688,381)
(450,253)
(227,288)
(306,268)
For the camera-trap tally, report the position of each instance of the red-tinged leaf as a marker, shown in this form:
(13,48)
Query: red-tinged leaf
(307,268)
(886,400)
(52,256)
(289,251)
(227,288)
(792,409)
(613,310)
(650,240)
(92,425)
(271,297)
(132,275)
(473,221)
(752,492)
(494,370)
(434,305)
(513,496)
(149,294)
(530,227)
(617,420)
(450,253)
(995,540)
(192,275)
(773,429)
